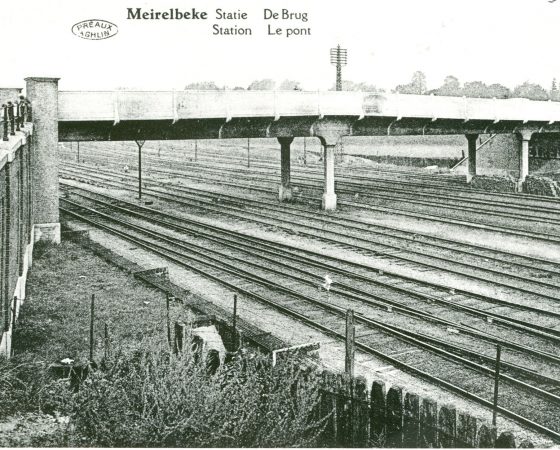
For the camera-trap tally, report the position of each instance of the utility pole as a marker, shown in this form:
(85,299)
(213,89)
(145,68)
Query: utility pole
(78,152)
(305,151)
(339,58)
(248,152)
(140,144)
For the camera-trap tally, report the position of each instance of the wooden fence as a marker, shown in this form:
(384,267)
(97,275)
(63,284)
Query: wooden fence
(391,417)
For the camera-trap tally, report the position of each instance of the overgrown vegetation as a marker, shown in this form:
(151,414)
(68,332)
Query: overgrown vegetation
(27,386)
(158,399)
(154,398)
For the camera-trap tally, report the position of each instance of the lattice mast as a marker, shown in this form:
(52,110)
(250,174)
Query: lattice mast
(339,58)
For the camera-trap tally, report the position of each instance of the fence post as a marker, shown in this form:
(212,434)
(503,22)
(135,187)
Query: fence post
(343,410)
(486,436)
(328,406)
(107,350)
(394,417)
(447,426)
(428,423)
(168,318)
(350,337)
(411,420)
(377,412)
(91,323)
(14,316)
(360,413)
(179,336)
(466,430)
(496,384)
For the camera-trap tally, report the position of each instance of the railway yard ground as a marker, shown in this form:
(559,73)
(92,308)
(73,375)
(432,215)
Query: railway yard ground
(438,274)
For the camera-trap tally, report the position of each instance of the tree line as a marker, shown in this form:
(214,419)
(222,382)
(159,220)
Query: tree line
(418,85)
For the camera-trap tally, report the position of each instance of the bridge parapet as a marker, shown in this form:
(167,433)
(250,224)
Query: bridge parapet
(119,106)
(175,105)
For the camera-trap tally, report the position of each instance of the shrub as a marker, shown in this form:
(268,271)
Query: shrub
(155,398)
(27,385)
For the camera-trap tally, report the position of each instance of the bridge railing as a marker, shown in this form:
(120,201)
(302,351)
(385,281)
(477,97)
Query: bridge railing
(172,105)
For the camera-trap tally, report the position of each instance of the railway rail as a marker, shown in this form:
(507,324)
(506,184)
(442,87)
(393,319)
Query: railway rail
(443,185)
(527,225)
(351,235)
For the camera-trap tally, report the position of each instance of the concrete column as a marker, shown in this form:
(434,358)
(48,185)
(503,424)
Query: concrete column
(329,196)
(285,189)
(525,138)
(471,160)
(43,94)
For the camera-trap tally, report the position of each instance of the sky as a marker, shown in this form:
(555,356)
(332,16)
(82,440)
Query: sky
(494,41)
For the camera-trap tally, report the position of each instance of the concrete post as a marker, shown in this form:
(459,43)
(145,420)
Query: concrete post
(329,195)
(43,95)
(471,169)
(285,189)
(525,137)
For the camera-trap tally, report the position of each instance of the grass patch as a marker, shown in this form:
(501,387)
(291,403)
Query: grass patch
(54,321)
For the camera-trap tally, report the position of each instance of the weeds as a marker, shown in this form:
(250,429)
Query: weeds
(155,398)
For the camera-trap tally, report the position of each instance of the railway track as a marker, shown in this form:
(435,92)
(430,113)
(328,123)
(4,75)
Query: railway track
(453,366)
(442,185)
(528,224)
(369,240)
(272,162)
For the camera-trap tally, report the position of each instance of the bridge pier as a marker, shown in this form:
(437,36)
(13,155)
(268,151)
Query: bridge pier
(329,195)
(471,157)
(525,137)
(43,95)
(285,190)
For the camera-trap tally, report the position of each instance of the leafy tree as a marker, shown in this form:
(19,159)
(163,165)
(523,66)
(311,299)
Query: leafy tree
(497,90)
(202,86)
(481,90)
(450,87)
(476,89)
(348,85)
(262,85)
(554,95)
(416,86)
(531,91)
(289,85)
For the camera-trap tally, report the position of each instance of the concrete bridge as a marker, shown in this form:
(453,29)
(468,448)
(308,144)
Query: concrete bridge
(329,116)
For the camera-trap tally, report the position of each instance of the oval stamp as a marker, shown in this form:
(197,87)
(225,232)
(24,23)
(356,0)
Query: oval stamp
(95,29)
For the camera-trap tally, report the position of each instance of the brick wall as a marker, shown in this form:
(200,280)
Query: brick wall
(16,229)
